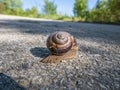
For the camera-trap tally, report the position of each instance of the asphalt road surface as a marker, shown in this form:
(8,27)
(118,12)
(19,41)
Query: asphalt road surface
(23,46)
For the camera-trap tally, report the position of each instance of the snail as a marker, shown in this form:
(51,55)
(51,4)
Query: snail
(62,46)
(60,42)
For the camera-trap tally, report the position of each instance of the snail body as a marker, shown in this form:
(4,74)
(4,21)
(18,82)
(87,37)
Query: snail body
(60,43)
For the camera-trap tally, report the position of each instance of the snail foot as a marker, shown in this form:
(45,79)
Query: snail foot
(72,53)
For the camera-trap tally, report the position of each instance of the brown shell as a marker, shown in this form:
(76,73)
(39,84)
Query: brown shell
(60,42)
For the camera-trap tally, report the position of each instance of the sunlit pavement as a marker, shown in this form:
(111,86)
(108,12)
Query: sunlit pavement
(23,45)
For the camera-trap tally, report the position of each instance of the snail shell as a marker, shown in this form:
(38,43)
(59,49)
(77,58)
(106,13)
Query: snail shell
(60,42)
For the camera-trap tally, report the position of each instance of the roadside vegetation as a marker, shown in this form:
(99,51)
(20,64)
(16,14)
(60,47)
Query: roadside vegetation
(105,11)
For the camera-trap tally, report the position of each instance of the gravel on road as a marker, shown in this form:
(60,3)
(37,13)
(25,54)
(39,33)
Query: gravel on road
(23,46)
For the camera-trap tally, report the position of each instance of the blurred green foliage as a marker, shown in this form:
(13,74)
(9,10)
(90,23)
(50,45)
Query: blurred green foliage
(31,12)
(49,8)
(12,7)
(2,7)
(80,8)
(106,11)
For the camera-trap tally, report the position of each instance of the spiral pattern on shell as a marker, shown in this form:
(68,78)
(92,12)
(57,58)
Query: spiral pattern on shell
(60,42)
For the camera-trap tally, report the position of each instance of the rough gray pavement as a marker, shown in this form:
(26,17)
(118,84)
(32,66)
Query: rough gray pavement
(23,46)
